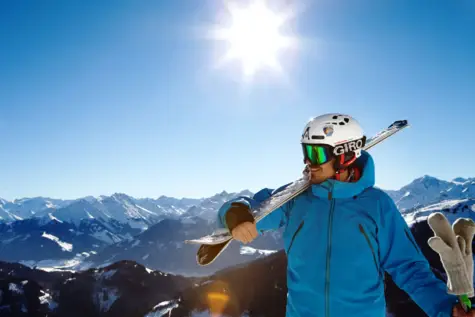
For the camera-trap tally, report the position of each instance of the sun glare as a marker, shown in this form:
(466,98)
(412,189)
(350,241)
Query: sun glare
(254,37)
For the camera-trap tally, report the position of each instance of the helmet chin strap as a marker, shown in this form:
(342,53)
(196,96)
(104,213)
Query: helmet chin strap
(341,165)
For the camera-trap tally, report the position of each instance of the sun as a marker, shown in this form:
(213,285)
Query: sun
(254,37)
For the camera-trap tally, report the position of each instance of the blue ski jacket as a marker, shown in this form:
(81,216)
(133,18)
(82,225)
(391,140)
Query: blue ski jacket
(340,238)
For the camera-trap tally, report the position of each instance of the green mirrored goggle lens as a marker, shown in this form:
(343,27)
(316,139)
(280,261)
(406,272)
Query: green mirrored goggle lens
(317,154)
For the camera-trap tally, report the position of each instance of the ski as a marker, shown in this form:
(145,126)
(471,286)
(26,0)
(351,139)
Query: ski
(214,244)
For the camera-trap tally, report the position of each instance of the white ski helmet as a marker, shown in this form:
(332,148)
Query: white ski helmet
(342,133)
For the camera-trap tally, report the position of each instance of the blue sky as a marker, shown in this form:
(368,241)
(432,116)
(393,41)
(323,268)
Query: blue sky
(123,96)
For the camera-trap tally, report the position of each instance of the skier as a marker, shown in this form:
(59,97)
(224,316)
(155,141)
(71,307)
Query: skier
(342,234)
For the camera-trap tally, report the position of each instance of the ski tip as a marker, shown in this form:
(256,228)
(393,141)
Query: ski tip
(399,124)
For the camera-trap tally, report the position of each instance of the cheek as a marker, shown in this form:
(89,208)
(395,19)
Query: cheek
(328,167)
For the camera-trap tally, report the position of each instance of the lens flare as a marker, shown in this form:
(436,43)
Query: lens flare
(217,303)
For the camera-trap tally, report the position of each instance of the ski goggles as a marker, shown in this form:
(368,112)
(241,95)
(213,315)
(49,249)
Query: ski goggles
(317,154)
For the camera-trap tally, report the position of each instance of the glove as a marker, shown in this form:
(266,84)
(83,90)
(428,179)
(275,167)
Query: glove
(446,244)
(464,229)
(238,213)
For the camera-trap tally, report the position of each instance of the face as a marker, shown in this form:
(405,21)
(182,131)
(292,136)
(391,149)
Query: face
(319,174)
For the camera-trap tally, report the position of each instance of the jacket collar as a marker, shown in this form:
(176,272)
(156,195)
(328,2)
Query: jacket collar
(336,189)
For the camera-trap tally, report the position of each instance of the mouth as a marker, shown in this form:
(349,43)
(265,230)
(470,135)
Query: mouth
(314,169)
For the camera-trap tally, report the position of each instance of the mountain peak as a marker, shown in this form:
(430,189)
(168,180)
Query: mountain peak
(120,196)
(428,178)
(460,180)
(427,181)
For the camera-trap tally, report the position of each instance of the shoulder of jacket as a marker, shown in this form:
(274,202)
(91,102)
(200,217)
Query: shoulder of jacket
(380,196)
(378,192)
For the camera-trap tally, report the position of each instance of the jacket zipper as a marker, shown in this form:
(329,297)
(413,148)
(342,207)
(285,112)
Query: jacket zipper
(329,241)
(295,234)
(370,246)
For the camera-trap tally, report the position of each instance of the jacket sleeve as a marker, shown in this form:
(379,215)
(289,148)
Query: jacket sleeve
(274,220)
(403,260)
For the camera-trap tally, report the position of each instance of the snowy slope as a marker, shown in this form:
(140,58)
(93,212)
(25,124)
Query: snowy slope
(452,209)
(118,207)
(34,240)
(208,208)
(419,192)
(28,207)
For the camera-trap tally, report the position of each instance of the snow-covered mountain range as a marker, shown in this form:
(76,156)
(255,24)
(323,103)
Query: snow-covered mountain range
(97,231)
(138,213)
(69,231)
(429,190)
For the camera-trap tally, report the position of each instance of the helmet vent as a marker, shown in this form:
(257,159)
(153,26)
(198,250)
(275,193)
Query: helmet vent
(318,137)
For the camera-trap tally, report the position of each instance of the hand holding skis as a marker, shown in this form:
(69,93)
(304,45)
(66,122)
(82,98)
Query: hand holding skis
(241,223)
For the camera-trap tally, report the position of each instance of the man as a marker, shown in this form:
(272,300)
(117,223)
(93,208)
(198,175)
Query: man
(342,234)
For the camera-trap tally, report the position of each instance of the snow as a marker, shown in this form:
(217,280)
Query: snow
(188,220)
(106,236)
(250,251)
(47,299)
(14,288)
(50,205)
(163,308)
(70,265)
(452,209)
(64,245)
(108,274)
(206,282)
(430,190)
(106,297)
(54,218)
(144,209)
(7,241)
(17,217)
